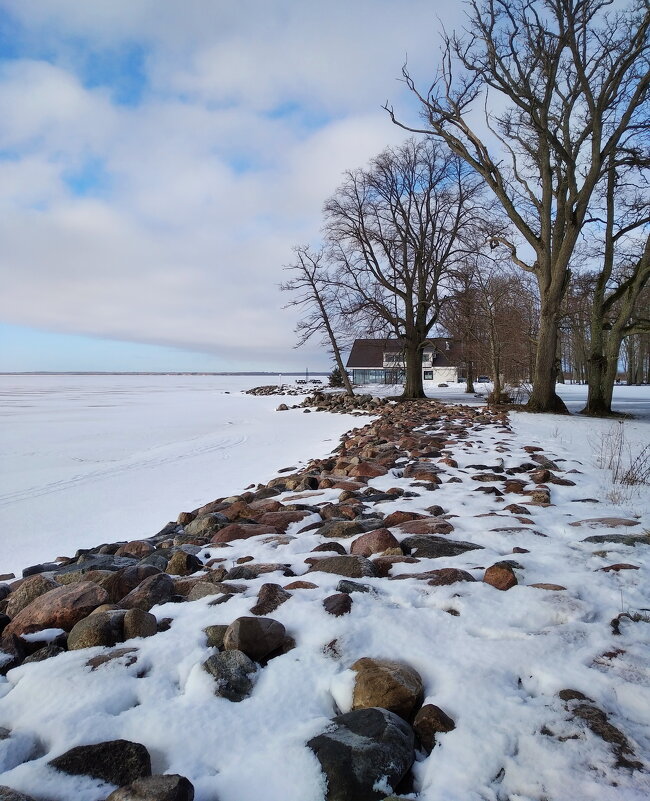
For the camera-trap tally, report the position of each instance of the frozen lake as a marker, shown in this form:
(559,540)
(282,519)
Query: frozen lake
(92,459)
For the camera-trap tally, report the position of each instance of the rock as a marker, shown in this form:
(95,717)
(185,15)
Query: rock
(359,750)
(120,583)
(337,605)
(157,589)
(7,794)
(47,652)
(138,623)
(429,721)
(334,547)
(57,609)
(422,546)
(170,787)
(183,564)
(631,540)
(387,684)
(117,762)
(102,628)
(605,522)
(500,575)
(352,586)
(448,575)
(269,598)
(367,470)
(205,525)
(336,529)
(241,531)
(371,542)
(618,566)
(301,585)
(256,637)
(422,471)
(138,548)
(395,518)
(128,656)
(427,525)
(350,566)
(541,496)
(30,589)
(215,635)
(232,671)
(281,520)
(545,586)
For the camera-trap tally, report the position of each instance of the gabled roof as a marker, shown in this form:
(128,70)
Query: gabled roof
(370,352)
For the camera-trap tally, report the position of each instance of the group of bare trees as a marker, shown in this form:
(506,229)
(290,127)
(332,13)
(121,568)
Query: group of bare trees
(534,162)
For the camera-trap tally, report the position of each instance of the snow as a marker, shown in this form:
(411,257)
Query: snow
(496,667)
(91,459)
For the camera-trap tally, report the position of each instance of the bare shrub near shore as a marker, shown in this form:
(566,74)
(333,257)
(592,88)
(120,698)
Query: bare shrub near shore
(629,467)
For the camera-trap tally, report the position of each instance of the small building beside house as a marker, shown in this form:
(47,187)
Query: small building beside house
(381,361)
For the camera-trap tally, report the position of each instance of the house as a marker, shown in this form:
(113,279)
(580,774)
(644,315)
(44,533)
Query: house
(381,361)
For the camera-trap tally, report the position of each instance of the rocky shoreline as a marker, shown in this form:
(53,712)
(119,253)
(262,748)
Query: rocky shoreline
(370,509)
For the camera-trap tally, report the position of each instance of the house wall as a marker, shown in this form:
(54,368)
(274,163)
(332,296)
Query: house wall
(440,375)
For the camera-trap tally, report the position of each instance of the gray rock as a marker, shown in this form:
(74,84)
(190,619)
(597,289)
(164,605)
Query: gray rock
(431,547)
(154,590)
(215,635)
(232,671)
(156,788)
(345,585)
(340,528)
(361,748)
(47,652)
(117,762)
(138,623)
(29,591)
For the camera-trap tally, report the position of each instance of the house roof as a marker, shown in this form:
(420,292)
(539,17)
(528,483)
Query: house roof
(370,352)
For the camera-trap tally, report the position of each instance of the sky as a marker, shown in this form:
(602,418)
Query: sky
(159,159)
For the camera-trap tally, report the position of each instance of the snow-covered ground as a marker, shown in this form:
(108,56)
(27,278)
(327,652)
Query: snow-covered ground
(495,664)
(91,459)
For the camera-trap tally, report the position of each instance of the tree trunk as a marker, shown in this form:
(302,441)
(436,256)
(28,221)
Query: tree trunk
(413,388)
(597,402)
(470,376)
(543,397)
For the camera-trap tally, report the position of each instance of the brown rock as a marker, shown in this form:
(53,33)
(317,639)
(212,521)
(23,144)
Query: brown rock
(541,496)
(138,623)
(448,575)
(605,522)
(618,566)
(120,583)
(282,520)
(30,589)
(170,787)
(338,604)
(395,518)
(101,628)
(301,585)
(371,542)
(429,721)
(367,470)
(138,548)
(257,637)
(60,608)
(242,531)
(545,586)
(383,564)
(501,576)
(423,471)
(183,564)
(269,598)
(427,525)
(387,684)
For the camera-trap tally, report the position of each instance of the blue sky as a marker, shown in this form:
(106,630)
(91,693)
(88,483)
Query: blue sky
(158,161)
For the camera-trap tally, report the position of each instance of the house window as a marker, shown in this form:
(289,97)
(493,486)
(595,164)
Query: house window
(428,375)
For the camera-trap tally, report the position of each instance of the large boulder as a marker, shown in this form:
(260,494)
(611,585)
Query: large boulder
(170,787)
(427,525)
(102,628)
(242,531)
(389,685)
(361,750)
(7,794)
(30,589)
(371,542)
(257,637)
(120,583)
(117,762)
(57,609)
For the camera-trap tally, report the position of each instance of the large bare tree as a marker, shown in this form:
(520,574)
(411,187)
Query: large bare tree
(397,232)
(559,84)
(312,287)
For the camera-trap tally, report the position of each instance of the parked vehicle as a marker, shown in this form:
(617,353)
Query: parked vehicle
(483,379)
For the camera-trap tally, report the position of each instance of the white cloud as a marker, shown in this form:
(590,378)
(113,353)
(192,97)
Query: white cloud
(204,198)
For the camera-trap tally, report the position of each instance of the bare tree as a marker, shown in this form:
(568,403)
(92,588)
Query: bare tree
(397,232)
(625,271)
(562,84)
(314,293)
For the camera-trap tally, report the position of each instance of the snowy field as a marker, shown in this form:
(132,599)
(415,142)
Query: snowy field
(91,459)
